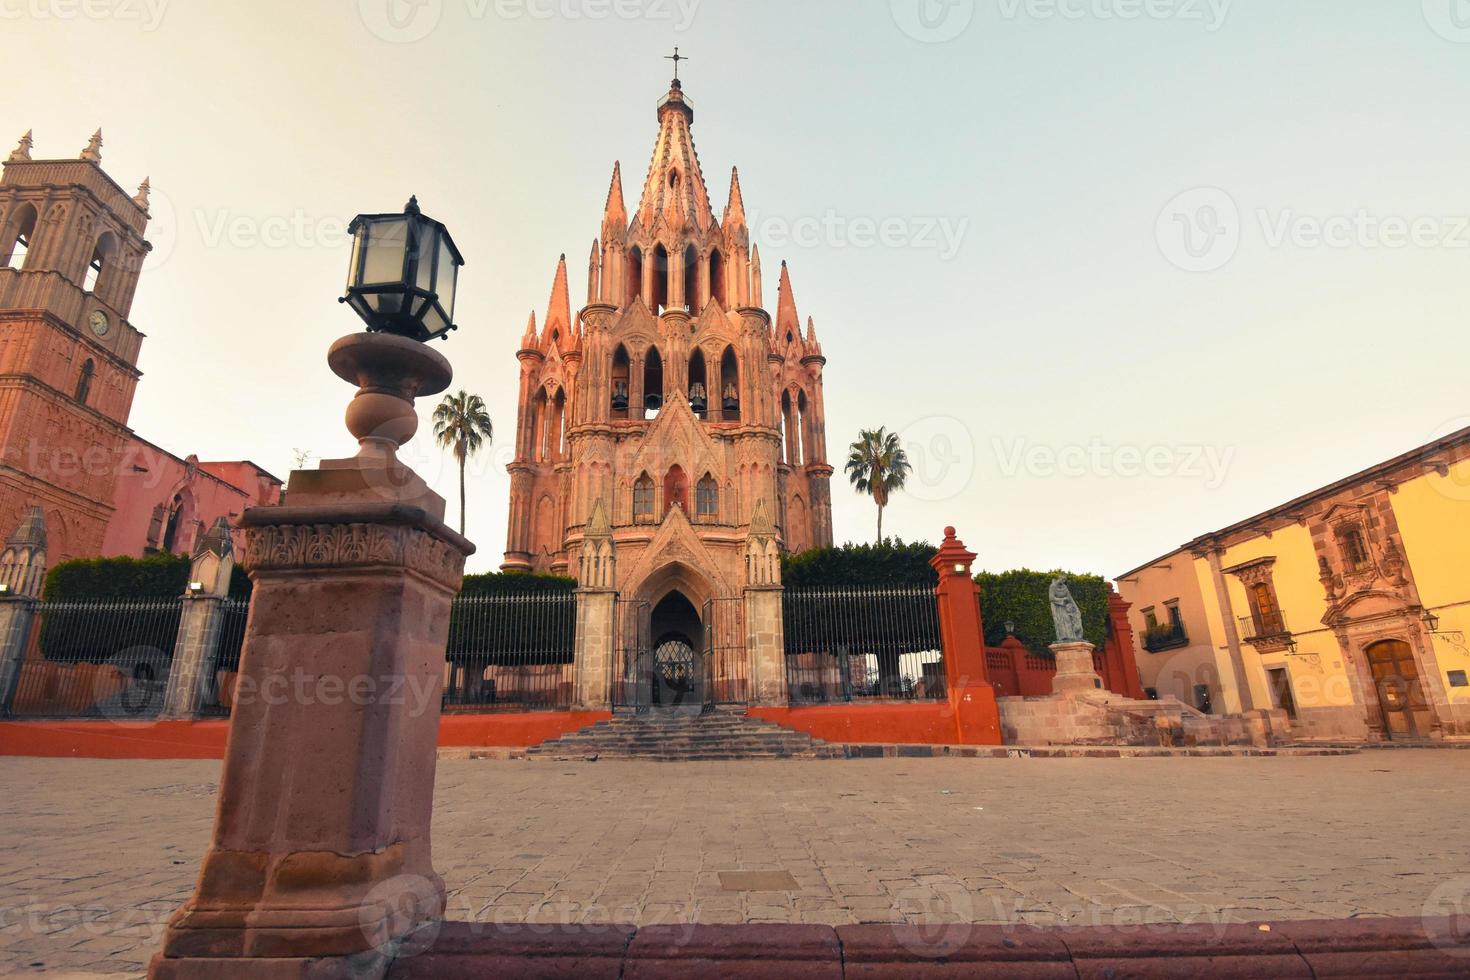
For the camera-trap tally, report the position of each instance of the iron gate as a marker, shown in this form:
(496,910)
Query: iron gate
(726,661)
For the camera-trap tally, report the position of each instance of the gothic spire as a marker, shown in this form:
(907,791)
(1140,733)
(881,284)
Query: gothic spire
(786,319)
(615,213)
(142,197)
(592,268)
(675,188)
(528,339)
(23,151)
(811,331)
(559,309)
(756,299)
(93,151)
(735,210)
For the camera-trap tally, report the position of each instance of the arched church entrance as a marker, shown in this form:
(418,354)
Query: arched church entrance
(676,631)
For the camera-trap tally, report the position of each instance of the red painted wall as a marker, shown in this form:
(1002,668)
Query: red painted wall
(206,739)
(886,723)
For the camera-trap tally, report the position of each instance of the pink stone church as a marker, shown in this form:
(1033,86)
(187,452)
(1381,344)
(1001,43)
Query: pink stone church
(670,419)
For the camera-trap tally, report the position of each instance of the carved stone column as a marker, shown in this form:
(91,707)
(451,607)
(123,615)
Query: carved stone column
(596,613)
(320,862)
(765,633)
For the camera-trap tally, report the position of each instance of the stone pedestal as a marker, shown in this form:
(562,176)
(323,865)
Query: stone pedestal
(320,862)
(1075,674)
(17,613)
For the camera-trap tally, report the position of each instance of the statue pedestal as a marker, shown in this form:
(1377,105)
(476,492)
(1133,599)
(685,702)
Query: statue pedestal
(1075,674)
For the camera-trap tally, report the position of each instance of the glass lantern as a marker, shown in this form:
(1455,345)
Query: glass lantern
(403,275)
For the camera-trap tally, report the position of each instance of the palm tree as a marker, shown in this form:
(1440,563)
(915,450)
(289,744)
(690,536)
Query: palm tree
(877,466)
(462,424)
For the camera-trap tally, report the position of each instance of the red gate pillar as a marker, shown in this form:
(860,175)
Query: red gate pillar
(967,682)
(1120,639)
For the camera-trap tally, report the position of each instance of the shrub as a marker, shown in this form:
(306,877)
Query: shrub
(1021,596)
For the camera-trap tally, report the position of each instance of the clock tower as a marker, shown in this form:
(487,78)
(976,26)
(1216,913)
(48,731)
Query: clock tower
(71,247)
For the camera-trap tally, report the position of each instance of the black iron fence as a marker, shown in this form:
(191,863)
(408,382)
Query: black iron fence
(511,652)
(98,659)
(862,643)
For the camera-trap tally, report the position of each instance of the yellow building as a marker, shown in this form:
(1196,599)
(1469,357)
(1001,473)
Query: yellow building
(1348,607)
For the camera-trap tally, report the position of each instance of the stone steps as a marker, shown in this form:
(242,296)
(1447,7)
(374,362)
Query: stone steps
(676,736)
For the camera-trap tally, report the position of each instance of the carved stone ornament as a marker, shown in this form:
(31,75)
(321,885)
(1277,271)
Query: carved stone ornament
(295,547)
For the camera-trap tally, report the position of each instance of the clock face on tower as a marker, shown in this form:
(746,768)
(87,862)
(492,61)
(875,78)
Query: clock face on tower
(100,324)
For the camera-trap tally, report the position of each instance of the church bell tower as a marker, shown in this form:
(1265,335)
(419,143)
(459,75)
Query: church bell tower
(71,249)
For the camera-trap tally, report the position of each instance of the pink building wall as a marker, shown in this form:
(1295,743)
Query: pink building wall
(156,490)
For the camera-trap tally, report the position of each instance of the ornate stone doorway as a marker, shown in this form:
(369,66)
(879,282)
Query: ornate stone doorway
(1406,712)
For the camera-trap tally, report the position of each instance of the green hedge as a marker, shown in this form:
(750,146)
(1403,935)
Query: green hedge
(154,577)
(517,583)
(1022,597)
(891,563)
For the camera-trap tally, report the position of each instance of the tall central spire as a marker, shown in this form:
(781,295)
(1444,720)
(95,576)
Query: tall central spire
(674,190)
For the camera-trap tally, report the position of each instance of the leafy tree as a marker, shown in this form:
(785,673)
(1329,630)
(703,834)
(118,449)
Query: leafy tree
(462,424)
(877,465)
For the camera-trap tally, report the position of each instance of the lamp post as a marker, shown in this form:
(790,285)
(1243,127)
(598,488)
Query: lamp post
(321,858)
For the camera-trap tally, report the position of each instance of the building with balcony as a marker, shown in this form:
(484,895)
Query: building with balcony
(1347,607)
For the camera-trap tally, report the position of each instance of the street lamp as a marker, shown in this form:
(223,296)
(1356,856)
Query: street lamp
(1431,621)
(403,274)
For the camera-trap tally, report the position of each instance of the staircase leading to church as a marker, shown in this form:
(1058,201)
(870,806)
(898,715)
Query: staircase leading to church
(676,736)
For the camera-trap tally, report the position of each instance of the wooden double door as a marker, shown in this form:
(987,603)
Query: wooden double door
(1406,712)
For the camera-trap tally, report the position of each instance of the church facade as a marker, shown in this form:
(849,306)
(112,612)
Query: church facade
(670,437)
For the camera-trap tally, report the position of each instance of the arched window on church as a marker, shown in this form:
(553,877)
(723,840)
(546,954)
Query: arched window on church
(676,489)
(536,426)
(635,275)
(643,499)
(559,426)
(707,498)
(18,243)
(653,383)
(788,431)
(803,430)
(729,386)
(698,390)
(101,259)
(661,272)
(717,277)
(84,381)
(620,375)
(691,279)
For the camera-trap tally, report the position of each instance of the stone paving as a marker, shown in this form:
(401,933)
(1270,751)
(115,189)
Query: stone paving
(96,854)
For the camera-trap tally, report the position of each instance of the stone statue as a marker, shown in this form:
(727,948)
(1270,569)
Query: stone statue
(1064,613)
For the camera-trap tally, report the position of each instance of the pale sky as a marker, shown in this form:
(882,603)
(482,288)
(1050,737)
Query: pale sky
(980,203)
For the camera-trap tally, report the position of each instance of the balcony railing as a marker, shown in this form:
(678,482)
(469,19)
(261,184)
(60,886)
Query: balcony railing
(1165,637)
(1268,633)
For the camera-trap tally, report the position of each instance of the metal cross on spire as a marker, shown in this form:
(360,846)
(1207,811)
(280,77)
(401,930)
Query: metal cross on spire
(676,57)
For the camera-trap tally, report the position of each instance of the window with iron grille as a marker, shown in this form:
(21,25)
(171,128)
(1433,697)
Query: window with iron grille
(1353,546)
